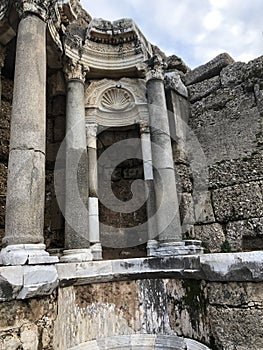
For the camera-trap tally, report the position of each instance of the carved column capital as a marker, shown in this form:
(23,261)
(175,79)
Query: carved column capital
(41,8)
(155,68)
(74,70)
(91,130)
(144,127)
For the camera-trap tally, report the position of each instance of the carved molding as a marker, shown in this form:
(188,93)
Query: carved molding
(116,99)
(41,8)
(144,127)
(75,70)
(134,87)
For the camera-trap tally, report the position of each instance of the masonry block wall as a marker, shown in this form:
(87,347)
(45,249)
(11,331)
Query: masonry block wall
(226,103)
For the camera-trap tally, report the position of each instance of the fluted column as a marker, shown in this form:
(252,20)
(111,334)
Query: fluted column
(26,168)
(94,229)
(76,207)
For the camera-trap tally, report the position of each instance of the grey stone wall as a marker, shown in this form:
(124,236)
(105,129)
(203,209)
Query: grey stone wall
(226,115)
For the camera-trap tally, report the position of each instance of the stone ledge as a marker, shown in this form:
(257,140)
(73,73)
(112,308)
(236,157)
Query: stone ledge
(21,282)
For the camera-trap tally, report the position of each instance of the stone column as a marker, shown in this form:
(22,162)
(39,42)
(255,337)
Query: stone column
(149,184)
(76,207)
(26,170)
(94,229)
(168,216)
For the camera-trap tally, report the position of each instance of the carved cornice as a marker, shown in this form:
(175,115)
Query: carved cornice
(42,8)
(74,70)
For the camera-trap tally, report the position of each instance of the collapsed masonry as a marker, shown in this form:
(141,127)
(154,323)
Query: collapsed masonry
(145,159)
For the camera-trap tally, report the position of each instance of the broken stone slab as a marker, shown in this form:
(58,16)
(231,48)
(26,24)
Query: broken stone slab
(172,80)
(76,255)
(189,247)
(11,282)
(26,254)
(38,281)
(208,70)
(232,266)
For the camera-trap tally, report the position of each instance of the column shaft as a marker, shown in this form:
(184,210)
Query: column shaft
(94,226)
(26,170)
(168,218)
(76,231)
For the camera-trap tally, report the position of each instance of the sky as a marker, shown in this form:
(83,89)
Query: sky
(195,30)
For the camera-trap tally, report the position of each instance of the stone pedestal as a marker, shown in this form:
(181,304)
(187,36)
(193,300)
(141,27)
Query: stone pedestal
(26,179)
(76,207)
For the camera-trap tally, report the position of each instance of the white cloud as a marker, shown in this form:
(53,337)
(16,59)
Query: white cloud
(194,30)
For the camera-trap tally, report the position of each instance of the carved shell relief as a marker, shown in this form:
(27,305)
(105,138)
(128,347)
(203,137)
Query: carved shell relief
(117,99)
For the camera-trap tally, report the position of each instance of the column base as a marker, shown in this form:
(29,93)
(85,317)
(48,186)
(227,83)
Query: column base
(161,249)
(76,255)
(96,250)
(26,254)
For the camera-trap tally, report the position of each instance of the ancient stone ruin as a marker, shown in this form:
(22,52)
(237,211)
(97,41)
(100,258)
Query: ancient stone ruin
(131,189)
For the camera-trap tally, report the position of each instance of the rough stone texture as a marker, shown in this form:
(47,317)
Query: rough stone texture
(208,70)
(203,89)
(28,324)
(226,116)
(212,236)
(238,202)
(245,234)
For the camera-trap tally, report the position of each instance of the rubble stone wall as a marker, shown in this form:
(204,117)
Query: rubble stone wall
(226,102)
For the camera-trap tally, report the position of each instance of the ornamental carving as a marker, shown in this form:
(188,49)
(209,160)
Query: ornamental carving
(75,70)
(3,8)
(155,68)
(116,99)
(42,8)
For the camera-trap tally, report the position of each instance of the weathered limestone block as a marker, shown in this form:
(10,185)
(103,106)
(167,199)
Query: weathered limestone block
(200,90)
(11,282)
(183,177)
(237,230)
(239,325)
(208,70)
(233,74)
(203,208)
(212,236)
(236,171)
(186,206)
(238,202)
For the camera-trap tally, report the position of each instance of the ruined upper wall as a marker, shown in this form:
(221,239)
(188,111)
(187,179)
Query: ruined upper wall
(226,102)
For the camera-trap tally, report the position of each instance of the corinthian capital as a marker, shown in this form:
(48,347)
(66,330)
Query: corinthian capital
(41,8)
(155,68)
(75,70)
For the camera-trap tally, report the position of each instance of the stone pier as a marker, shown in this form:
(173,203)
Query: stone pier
(26,171)
(94,229)
(77,191)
